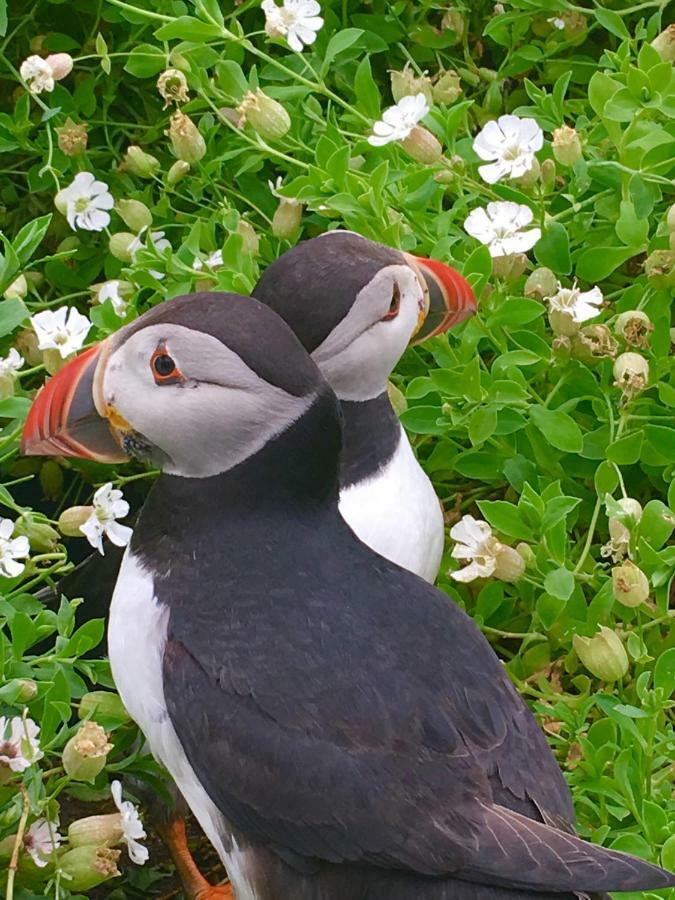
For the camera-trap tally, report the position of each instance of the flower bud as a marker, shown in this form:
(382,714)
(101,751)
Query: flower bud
(61,202)
(85,868)
(593,342)
(634,326)
(510,267)
(97,830)
(453,20)
(266,116)
(670,218)
(20,690)
(422,146)
(71,519)
(61,65)
(134,214)
(186,140)
(287,218)
(102,705)
(631,373)
(232,115)
(120,245)
(251,241)
(138,162)
(629,584)
(493,101)
(664,44)
(41,536)
(27,344)
(177,172)
(660,268)
(562,323)
(84,755)
(172,87)
(53,361)
(446,87)
(17,289)
(566,146)
(603,655)
(547,175)
(541,283)
(51,479)
(509,564)
(527,553)
(406,83)
(72,137)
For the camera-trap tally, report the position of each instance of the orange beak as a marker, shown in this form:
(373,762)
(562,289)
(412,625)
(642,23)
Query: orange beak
(451,297)
(64,420)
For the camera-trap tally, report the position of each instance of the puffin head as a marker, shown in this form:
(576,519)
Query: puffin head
(356,305)
(195,386)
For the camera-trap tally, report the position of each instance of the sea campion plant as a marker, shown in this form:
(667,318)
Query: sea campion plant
(150,149)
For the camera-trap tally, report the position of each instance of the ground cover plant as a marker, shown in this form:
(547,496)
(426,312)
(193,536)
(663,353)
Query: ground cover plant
(150,149)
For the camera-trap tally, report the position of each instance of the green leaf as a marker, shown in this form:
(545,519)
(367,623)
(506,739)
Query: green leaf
(516,311)
(505,518)
(626,450)
(630,228)
(478,268)
(549,609)
(12,314)
(553,250)
(186,28)
(340,41)
(612,22)
(558,428)
(656,523)
(423,420)
(662,439)
(3,18)
(606,479)
(366,90)
(600,88)
(478,464)
(482,424)
(30,237)
(668,854)
(664,672)
(559,583)
(145,60)
(596,263)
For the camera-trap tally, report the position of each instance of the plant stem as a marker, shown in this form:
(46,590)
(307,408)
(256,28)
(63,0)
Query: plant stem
(18,841)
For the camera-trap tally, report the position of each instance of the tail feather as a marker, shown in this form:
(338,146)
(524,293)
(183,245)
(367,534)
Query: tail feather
(517,852)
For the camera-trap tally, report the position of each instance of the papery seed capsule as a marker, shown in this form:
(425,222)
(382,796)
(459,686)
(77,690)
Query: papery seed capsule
(266,116)
(134,214)
(71,519)
(422,146)
(566,146)
(84,755)
(186,139)
(140,163)
(87,867)
(629,584)
(603,654)
(405,83)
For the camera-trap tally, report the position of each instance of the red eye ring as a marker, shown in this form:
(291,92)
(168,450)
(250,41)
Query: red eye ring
(395,305)
(164,369)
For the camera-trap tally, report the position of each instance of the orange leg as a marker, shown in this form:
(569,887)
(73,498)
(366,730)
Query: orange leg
(194,884)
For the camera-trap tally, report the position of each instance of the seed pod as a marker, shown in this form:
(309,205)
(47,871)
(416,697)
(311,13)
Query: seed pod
(634,326)
(96,830)
(71,519)
(422,146)
(84,755)
(53,361)
(592,343)
(566,146)
(629,584)
(453,20)
(72,137)
(660,268)
(120,245)
(20,690)
(51,479)
(446,88)
(177,172)
(172,87)
(251,241)
(547,176)
(603,654)
(509,564)
(664,44)
(631,373)
(140,163)
(87,867)
(405,83)
(41,536)
(541,283)
(186,140)
(266,116)
(17,289)
(287,218)
(562,323)
(510,267)
(134,214)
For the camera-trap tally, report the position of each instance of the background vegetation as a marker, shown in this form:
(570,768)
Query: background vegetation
(522,417)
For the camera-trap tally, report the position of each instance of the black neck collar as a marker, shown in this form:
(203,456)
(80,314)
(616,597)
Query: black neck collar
(371,434)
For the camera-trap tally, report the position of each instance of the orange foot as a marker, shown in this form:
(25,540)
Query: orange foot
(196,887)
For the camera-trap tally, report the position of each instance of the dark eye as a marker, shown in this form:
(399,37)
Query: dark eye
(164,365)
(395,304)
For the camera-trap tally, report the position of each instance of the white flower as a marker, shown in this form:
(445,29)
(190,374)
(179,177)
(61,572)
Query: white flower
(140,242)
(41,839)
(511,142)
(38,75)
(10,364)
(12,550)
(87,201)
(398,121)
(579,305)
(132,827)
(110,290)
(475,541)
(498,226)
(618,545)
(557,23)
(64,329)
(108,507)
(19,744)
(296,20)
(213,261)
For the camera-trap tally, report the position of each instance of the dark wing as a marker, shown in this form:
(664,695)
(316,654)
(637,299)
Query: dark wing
(381,731)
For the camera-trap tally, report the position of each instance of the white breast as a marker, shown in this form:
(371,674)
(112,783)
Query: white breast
(137,632)
(397,513)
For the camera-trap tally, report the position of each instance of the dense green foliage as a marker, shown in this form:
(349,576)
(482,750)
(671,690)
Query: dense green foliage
(522,419)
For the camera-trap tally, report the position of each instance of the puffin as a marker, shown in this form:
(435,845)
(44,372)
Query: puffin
(340,730)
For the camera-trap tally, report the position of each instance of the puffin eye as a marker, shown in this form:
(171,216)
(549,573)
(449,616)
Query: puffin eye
(164,369)
(395,304)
